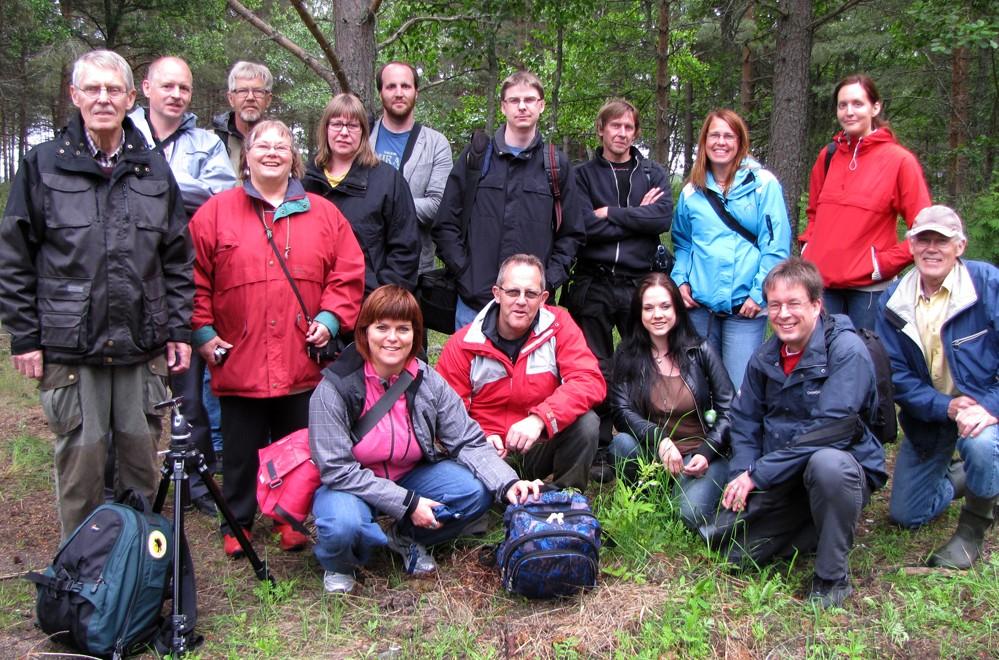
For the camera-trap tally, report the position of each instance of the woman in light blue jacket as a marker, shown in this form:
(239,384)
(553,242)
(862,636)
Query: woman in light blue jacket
(730,227)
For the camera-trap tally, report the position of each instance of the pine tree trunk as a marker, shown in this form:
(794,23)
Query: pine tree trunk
(354,35)
(661,150)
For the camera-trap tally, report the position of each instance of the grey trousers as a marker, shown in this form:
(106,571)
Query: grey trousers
(817,511)
(568,456)
(83,405)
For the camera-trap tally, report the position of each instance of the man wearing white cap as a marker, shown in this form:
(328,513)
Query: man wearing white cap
(940,326)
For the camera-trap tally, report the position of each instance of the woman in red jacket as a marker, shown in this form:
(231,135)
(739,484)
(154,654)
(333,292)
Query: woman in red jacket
(248,323)
(857,191)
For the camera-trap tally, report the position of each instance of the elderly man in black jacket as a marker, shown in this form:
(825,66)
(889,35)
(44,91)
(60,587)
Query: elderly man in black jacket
(800,434)
(95,286)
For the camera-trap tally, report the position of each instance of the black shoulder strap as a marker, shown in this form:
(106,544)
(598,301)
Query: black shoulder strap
(284,267)
(647,171)
(830,150)
(367,421)
(479,148)
(554,181)
(414,133)
(719,206)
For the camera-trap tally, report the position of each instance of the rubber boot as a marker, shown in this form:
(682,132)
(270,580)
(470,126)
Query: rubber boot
(962,550)
(957,478)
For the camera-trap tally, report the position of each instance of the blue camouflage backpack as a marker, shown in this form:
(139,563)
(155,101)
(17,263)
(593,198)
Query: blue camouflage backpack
(105,588)
(552,546)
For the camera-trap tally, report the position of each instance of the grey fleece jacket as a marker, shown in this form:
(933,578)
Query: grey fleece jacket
(441,424)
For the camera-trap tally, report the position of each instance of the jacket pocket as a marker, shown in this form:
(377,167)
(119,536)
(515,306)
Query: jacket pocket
(153,332)
(976,358)
(147,203)
(155,386)
(63,307)
(70,201)
(60,396)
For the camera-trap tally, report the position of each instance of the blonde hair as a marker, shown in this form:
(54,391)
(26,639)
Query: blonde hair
(297,166)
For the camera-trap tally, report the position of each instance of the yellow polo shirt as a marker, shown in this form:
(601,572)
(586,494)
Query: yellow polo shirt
(931,312)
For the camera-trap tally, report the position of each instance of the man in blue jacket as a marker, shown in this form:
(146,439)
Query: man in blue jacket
(940,327)
(803,455)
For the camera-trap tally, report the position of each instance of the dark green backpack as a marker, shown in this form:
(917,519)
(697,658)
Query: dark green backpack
(105,588)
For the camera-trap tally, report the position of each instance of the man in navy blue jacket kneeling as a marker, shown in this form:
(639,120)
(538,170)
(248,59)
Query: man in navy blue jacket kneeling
(804,460)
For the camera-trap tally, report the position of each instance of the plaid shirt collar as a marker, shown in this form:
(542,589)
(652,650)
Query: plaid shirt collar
(106,161)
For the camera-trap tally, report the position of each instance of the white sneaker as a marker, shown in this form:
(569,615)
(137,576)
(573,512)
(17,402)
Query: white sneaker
(415,558)
(338,583)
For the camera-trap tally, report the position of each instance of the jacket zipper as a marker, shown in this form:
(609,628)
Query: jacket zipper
(963,340)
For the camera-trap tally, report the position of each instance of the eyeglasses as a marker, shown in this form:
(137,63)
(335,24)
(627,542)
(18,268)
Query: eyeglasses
(515,294)
(264,147)
(793,307)
(527,100)
(114,92)
(337,126)
(723,137)
(256,92)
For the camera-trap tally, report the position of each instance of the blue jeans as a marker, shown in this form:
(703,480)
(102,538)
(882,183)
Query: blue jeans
(699,496)
(346,526)
(463,314)
(920,489)
(211,403)
(860,306)
(734,338)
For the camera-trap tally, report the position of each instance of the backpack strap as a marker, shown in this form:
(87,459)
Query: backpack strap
(367,421)
(554,181)
(480,149)
(414,133)
(647,171)
(830,150)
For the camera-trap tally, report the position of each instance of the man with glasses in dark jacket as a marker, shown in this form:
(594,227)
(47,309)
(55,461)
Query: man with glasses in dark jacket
(96,287)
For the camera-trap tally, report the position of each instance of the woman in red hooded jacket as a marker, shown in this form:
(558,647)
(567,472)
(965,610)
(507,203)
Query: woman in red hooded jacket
(856,194)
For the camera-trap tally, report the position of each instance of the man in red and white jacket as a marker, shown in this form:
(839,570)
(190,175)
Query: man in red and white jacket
(526,375)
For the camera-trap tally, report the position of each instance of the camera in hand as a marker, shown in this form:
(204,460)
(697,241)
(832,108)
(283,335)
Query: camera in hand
(220,354)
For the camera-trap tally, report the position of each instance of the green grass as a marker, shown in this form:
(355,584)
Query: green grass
(662,592)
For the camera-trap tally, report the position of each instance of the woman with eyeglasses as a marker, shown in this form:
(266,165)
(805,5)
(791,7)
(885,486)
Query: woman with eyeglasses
(373,195)
(861,183)
(249,325)
(670,397)
(730,227)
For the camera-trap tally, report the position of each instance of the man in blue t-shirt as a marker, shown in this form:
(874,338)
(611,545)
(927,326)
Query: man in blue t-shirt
(422,154)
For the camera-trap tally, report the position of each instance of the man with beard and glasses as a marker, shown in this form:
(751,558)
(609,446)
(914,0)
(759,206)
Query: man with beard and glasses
(249,96)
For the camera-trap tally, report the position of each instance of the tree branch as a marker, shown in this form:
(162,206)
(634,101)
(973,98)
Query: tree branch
(819,21)
(314,63)
(324,45)
(421,19)
(373,8)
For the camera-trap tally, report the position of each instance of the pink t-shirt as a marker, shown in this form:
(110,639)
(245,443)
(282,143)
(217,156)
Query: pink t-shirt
(390,449)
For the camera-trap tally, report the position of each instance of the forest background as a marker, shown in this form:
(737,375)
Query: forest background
(775,62)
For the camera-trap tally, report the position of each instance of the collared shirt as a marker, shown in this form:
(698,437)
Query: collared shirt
(106,161)
(931,312)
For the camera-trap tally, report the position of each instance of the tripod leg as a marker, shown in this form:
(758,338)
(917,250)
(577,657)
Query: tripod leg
(259,567)
(178,620)
(165,473)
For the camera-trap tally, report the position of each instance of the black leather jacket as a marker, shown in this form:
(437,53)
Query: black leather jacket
(95,269)
(712,389)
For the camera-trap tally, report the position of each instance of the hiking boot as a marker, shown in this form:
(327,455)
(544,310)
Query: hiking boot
(291,539)
(232,547)
(415,558)
(338,583)
(602,473)
(829,593)
(963,548)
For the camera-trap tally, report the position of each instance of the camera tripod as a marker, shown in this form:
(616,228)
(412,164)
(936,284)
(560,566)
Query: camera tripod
(182,455)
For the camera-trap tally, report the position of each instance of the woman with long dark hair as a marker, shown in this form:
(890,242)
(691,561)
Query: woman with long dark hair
(670,398)
(860,184)
(730,227)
